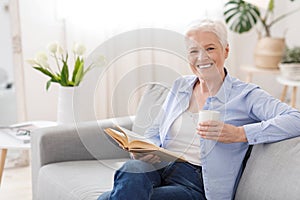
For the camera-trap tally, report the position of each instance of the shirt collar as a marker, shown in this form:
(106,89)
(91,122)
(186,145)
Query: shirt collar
(224,91)
(189,83)
(222,95)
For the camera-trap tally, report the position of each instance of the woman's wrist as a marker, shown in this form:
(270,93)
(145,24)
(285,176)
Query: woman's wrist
(242,134)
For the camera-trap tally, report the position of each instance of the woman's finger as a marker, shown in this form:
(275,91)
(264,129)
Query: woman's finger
(210,123)
(209,129)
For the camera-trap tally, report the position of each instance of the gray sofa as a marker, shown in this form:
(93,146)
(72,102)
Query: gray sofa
(77,161)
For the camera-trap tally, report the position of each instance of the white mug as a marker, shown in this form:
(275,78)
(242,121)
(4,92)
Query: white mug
(207,115)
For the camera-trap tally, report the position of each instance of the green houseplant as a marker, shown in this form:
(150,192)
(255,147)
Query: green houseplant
(291,55)
(62,73)
(242,16)
(290,63)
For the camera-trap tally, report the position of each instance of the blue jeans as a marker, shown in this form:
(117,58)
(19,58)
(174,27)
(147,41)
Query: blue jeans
(138,180)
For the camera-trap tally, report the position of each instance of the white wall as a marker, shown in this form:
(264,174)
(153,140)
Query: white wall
(8,110)
(5,41)
(39,27)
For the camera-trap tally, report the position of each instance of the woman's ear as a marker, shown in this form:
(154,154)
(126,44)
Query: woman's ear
(226,51)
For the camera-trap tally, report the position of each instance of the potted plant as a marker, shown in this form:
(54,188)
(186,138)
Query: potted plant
(68,74)
(242,16)
(61,74)
(290,63)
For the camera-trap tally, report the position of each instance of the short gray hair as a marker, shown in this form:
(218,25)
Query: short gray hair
(214,26)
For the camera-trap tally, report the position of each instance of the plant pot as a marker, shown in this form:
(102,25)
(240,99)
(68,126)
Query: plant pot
(65,107)
(290,71)
(268,52)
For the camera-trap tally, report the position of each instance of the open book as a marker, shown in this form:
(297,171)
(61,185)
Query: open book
(135,143)
(21,131)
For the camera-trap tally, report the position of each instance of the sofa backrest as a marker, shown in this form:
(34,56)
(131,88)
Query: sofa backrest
(272,172)
(149,106)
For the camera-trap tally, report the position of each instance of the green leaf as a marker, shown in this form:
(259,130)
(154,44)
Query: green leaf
(79,75)
(231,2)
(227,12)
(48,84)
(65,74)
(45,71)
(228,18)
(71,83)
(291,55)
(79,62)
(56,80)
(241,16)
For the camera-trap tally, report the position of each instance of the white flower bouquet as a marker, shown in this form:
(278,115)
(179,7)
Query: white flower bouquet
(62,73)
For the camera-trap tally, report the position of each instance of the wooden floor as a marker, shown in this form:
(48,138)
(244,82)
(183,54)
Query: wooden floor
(16,184)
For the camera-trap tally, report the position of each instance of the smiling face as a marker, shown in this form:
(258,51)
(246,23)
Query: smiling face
(205,53)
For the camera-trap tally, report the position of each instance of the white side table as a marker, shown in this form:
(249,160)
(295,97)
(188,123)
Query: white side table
(9,142)
(286,83)
(251,70)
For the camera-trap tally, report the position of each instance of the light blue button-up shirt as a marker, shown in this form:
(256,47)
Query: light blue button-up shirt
(264,118)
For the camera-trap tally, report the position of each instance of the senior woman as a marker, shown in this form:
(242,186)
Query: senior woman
(214,150)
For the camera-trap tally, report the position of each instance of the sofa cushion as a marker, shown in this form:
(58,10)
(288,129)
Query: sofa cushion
(149,106)
(77,179)
(272,172)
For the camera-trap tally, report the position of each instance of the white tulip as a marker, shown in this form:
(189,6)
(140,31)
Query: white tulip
(100,61)
(31,62)
(60,50)
(42,58)
(79,49)
(53,47)
(44,63)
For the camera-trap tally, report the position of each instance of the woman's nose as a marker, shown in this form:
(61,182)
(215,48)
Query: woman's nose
(202,55)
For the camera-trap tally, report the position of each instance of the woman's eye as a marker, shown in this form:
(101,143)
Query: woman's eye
(193,51)
(210,49)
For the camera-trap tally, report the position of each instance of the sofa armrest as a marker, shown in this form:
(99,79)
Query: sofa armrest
(71,142)
(81,141)
(272,172)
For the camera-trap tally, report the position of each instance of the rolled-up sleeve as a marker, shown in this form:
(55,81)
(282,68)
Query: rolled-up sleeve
(276,120)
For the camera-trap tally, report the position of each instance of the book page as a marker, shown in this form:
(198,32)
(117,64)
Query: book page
(133,136)
(118,136)
(138,144)
(143,147)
